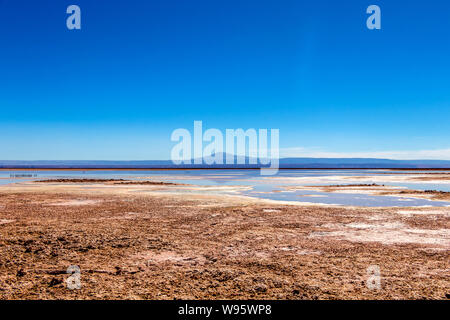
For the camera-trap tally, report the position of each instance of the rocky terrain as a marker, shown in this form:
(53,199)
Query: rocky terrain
(143,245)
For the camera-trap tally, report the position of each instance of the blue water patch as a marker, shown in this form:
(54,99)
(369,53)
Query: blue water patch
(262,187)
(344,199)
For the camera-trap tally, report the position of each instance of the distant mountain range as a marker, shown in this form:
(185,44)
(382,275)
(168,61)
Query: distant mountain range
(343,163)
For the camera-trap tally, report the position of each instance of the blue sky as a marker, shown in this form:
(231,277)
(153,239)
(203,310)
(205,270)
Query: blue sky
(137,70)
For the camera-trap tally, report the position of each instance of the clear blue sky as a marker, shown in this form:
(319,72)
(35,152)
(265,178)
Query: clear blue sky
(137,70)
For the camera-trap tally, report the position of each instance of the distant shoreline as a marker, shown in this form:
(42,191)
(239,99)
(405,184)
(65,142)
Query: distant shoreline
(178,169)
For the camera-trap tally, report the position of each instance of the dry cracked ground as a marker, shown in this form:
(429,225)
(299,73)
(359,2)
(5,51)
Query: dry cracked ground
(144,245)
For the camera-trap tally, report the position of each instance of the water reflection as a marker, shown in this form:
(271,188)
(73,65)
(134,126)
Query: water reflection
(262,187)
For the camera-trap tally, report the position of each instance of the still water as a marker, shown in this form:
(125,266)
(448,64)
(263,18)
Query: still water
(263,186)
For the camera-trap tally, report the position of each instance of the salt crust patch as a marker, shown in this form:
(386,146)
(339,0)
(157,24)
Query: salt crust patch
(386,233)
(75,203)
(300,252)
(424,212)
(169,257)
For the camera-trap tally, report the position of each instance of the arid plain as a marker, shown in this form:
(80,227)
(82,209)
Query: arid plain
(157,240)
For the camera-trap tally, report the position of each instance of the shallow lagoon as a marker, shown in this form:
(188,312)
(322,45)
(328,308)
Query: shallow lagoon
(263,186)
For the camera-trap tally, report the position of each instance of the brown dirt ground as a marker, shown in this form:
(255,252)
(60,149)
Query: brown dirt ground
(108,181)
(433,194)
(144,246)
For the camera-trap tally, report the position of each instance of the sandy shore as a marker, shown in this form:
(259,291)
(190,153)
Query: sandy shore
(166,242)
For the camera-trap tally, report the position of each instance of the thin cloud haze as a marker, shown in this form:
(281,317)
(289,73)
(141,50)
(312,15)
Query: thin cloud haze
(437,154)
